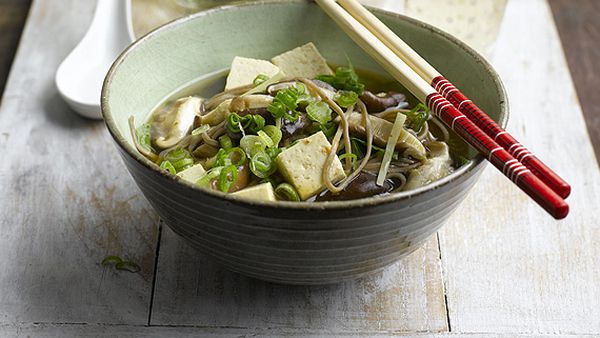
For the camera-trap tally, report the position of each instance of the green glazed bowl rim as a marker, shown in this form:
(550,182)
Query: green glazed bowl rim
(467,168)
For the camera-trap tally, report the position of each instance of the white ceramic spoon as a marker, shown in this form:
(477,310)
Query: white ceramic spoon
(79,77)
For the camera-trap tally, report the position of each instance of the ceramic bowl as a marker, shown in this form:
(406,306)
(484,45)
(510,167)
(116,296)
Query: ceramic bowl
(286,242)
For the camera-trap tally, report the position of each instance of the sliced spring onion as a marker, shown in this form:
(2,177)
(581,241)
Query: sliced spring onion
(319,112)
(128,266)
(262,165)
(236,156)
(202,129)
(274,133)
(111,259)
(227,178)
(166,165)
(179,158)
(345,98)
(260,78)
(285,191)
(120,264)
(265,139)
(210,175)
(234,123)
(142,134)
(274,152)
(352,157)
(225,142)
(390,147)
(286,102)
(252,144)
(257,122)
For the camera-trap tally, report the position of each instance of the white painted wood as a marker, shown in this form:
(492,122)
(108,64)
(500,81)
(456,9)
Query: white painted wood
(126,331)
(192,290)
(508,266)
(66,200)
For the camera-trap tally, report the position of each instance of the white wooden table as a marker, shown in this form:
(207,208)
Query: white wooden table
(499,268)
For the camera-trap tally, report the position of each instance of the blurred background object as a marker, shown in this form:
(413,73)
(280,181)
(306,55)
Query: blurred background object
(477,22)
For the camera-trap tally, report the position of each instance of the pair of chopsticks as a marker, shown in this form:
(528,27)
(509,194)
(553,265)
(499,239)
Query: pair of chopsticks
(450,105)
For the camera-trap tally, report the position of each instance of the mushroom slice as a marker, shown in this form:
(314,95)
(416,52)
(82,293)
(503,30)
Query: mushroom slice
(274,88)
(248,102)
(217,115)
(379,102)
(179,126)
(381,130)
(437,166)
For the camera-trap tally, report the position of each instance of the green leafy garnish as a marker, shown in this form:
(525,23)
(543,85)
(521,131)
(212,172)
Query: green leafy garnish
(345,78)
(329,129)
(345,98)
(286,102)
(319,112)
(142,133)
(260,78)
(416,117)
(286,191)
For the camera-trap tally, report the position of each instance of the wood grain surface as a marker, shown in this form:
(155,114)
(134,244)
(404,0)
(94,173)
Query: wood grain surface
(407,297)
(12,19)
(66,200)
(507,266)
(501,267)
(578,24)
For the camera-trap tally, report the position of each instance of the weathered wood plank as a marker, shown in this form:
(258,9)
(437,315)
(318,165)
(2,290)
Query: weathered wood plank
(508,266)
(192,290)
(579,30)
(127,331)
(12,19)
(66,200)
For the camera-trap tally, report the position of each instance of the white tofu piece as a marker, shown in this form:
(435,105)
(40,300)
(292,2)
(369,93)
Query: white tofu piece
(193,173)
(302,165)
(261,192)
(244,71)
(304,61)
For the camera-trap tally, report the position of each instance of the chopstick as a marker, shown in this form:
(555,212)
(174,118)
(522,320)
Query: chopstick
(458,99)
(443,109)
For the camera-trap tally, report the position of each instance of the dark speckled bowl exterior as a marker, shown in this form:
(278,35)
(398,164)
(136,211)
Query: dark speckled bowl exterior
(284,242)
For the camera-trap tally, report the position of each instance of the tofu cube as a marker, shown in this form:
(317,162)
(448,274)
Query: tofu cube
(261,192)
(304,61)
(244,71)
(302,165)
(193,173)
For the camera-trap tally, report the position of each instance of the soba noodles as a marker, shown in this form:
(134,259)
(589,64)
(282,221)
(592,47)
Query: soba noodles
(293,129)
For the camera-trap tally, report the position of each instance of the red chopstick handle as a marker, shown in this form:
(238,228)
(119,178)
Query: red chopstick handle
(498,156)
(501,136)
